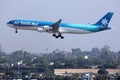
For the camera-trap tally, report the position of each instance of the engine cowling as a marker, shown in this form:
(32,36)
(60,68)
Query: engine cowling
(47,28)
(40,30)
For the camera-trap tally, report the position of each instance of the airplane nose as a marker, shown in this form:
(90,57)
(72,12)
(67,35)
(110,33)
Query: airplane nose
(10,23)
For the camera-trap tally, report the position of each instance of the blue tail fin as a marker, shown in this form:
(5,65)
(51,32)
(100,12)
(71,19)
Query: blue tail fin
(104,21)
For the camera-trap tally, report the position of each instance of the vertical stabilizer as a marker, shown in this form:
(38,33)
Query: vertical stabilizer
(104,21)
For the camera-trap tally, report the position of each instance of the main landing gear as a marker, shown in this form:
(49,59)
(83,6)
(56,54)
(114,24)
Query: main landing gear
(59,35)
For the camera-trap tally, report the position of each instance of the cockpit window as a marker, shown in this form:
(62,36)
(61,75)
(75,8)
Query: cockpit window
(12,22)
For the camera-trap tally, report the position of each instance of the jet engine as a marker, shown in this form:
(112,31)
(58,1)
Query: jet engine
(40,29)
(47,28)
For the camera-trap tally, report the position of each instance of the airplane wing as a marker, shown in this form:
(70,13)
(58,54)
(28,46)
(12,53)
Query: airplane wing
(56,25)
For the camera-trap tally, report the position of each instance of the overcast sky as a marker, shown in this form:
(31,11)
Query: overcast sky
(70,11)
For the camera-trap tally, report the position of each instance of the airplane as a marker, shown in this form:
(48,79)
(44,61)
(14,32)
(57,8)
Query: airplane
(58,28)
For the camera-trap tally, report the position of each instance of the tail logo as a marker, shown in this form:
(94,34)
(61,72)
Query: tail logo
(104,22)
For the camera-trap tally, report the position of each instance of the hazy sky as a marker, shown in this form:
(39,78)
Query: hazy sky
(70,11)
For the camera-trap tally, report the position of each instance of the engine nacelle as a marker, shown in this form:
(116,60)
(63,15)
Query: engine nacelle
(40,30)
(47,28)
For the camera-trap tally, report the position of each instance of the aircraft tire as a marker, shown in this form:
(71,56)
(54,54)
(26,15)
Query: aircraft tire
(54,35)
(62,37)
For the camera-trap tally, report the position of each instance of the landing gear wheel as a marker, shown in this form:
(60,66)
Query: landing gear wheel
(62,37)
(54,35)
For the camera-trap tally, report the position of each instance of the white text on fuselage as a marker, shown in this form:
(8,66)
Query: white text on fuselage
(26,23)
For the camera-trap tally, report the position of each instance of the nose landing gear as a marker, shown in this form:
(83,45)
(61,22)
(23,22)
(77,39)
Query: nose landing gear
(16,31)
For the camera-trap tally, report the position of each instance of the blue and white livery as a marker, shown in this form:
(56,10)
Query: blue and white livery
(58,28)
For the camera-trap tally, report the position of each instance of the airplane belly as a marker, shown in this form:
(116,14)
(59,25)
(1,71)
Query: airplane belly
(73,31)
